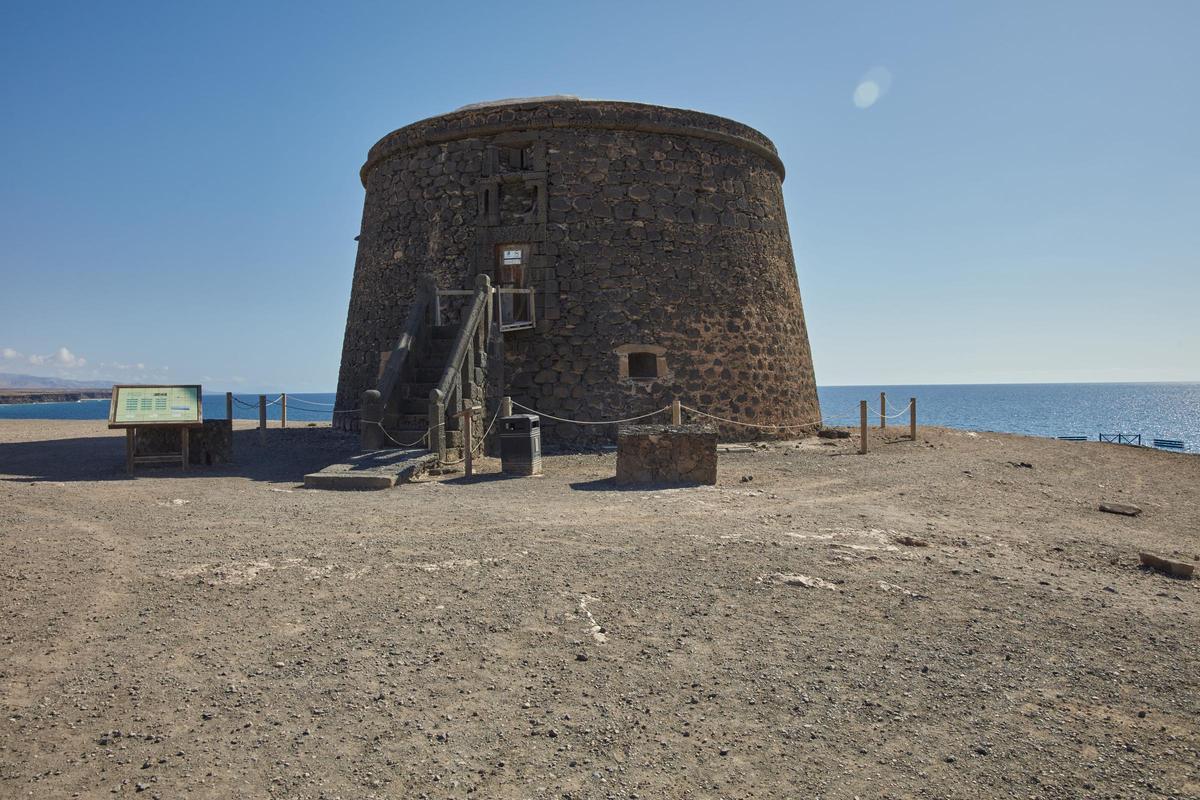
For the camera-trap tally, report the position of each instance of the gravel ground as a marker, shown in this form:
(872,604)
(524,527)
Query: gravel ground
(951,617)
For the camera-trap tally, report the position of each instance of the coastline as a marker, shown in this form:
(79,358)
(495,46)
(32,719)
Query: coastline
(31,396)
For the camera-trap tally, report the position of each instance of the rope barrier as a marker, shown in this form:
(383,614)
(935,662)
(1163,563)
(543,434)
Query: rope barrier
(748,424)
(242,402)
(897,414)
(387,435)
(311,403)
(870,411)
(582,422)
(842,416)
(475,450)
(301,404)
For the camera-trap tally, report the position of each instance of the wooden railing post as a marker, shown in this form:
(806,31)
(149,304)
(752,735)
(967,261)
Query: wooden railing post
(262,419)
(506,406)
(862,426)
(283,410)
(468,417)
(676,412)
(883,409)
(437,424)
(229,406)
(912,418)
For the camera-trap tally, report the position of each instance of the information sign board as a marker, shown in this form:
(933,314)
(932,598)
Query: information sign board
(155,405)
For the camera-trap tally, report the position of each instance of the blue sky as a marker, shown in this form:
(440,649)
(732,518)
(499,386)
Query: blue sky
(1021,201)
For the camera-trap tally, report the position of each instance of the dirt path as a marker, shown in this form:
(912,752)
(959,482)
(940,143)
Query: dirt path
(231,634)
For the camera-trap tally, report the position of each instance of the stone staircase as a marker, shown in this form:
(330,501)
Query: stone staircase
(406,417)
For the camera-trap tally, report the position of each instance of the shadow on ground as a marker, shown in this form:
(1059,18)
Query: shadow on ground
(610,485)
(282,455)
(486,477)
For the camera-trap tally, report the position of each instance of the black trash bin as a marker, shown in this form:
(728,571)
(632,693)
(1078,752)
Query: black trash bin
(521,444)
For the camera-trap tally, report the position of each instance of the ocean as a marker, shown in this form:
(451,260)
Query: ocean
(1153,410)
(308,407)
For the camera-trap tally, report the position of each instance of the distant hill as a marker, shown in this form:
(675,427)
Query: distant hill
(9,380)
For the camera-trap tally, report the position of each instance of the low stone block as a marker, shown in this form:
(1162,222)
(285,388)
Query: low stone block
(210,444)
(666,454)
(1180,569)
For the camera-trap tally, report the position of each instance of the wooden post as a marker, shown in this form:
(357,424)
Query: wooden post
(862,426)
(437,424)
(883,409)
(676,412)
(282,410)
(912,418)
(506,406)
(229,406)
(130,442)
(183,447)
(262,419)
(468,417)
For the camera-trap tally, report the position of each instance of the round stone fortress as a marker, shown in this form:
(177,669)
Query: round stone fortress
(652,241)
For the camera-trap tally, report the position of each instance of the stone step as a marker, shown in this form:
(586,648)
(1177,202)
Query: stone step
(378,469)
(444,332)
(440,348)
(431,374)
(413,405)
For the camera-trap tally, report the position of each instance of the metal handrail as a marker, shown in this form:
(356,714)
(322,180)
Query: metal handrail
(452,375)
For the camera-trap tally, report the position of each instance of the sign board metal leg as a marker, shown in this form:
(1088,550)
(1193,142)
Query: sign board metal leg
(183,448)
(129,442)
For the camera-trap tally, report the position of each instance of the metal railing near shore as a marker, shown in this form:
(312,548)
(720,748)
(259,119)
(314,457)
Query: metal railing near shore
(1132,439)
(1122,438)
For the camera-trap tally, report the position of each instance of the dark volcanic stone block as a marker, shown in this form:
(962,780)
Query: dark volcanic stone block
(211,444)
(666,454)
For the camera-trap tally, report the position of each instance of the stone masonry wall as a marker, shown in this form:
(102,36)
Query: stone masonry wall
(652,230)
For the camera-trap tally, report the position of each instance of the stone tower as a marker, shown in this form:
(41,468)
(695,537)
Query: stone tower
(652,242)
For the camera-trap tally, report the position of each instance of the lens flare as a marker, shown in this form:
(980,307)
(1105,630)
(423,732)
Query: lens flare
(871,87)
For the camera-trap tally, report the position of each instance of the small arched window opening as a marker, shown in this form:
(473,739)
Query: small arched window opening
(641,362)
(643,366)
